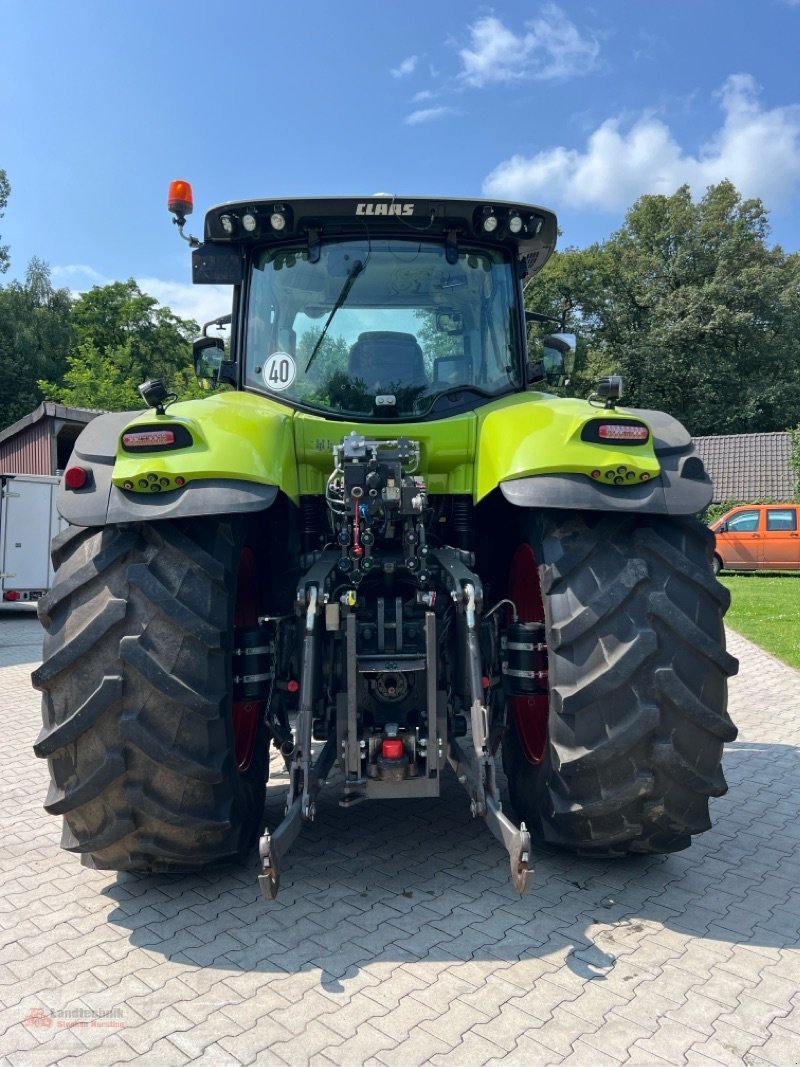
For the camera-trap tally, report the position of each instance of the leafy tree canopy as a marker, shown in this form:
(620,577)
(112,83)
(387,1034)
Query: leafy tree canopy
(35,338)
(122,337)
(5,192)
(689,303)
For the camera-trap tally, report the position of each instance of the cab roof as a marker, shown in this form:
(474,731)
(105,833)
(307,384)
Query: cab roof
(526,230)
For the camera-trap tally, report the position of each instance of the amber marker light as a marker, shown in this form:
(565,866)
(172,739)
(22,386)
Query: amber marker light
(180,200)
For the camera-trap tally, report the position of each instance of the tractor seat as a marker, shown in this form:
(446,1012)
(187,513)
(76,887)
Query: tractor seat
(383,357)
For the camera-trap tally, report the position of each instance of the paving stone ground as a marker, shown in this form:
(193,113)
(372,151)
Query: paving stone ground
(397,937)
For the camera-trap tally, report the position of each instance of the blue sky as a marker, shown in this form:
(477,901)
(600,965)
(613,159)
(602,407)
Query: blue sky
(579,106)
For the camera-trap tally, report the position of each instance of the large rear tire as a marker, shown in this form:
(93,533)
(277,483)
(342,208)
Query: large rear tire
(137,679)
(638,685)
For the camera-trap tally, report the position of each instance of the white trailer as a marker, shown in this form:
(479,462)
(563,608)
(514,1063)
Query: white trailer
(28,522)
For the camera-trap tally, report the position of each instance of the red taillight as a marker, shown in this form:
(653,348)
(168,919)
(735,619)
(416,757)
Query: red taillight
(392,748)
(76,477)
(148,438)
(615,431)
(12,594)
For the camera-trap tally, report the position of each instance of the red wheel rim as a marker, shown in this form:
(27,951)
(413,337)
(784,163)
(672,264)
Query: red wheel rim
(530,713)
(246,714)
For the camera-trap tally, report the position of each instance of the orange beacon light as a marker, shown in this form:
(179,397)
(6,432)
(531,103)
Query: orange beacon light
(180,200)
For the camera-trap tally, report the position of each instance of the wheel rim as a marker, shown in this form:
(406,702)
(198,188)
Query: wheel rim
(530,713)
(246,714)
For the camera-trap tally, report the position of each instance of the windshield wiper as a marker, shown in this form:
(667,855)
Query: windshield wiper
(358,266)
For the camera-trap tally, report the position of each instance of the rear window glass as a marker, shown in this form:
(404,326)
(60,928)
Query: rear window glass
(744,521)
(781,519)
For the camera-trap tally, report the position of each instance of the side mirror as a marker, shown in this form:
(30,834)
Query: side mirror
(209,359)
(565,345)
(449,322)
(557,360)
(722,528)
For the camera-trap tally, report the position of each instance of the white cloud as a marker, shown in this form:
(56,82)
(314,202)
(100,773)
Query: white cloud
(199,302)
(405,68)
(428,114)
(757,149)
(550,48)
(78,276)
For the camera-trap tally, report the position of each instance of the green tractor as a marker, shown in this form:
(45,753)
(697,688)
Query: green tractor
(381,546)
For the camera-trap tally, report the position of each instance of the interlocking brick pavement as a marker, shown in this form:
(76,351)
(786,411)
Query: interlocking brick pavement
(397,939)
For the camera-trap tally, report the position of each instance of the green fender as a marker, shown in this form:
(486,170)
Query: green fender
(234,451)
(532,446)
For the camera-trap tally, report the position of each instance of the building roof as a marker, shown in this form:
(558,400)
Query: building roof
(42,441)
(749,466)
(53,410)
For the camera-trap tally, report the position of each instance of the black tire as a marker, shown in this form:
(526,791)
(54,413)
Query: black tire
(638,685)
(136,677)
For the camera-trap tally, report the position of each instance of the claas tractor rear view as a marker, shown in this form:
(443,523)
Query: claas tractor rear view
(382,548)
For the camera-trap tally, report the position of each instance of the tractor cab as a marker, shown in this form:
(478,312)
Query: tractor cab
(378,309)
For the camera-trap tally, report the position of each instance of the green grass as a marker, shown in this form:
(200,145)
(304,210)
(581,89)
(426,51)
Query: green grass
(766,609)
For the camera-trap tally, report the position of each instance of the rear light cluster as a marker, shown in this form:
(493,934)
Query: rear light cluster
(148,438)
(155,438)
(620,475)
(154,482)
(12,594)
(616,431)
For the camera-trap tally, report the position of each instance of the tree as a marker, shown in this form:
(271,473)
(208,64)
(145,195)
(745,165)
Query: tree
(5,192)
(331,356)
(689,303)
(794,459)
(35,338)
(122,337)
(571,291)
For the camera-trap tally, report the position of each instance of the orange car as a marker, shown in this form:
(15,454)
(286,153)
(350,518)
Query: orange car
(757,537)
